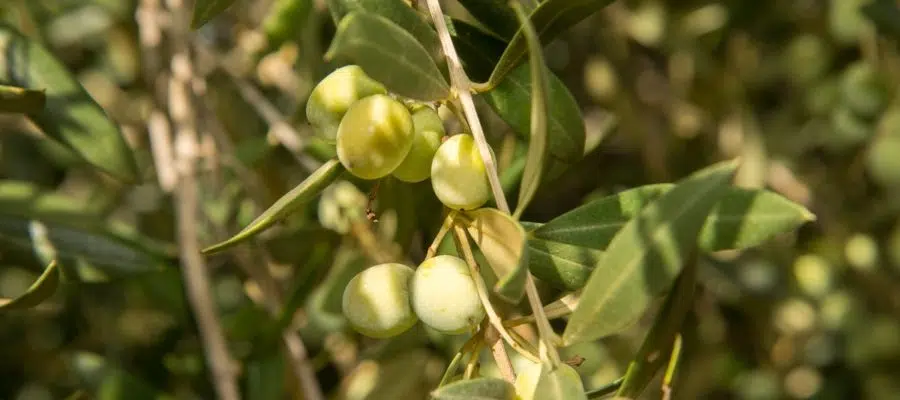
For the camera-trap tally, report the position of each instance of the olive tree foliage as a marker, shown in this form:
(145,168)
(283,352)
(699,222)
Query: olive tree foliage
(370,202)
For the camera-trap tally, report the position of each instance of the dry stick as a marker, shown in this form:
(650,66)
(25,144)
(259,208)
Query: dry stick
(195,272)
(462,87)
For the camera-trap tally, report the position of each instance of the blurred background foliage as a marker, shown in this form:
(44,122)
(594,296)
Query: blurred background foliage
(804,91)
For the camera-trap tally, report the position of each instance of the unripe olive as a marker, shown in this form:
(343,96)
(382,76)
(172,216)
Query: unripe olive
(333,96)
(458,174)
(374,137)
(416,167)
(376,301)
(444,295)
(863,90)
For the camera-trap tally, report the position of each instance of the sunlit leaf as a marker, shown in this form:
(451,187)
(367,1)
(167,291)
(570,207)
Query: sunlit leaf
(502,241)
(44,287)
(390,55)
(742,218)
(70,115)
(205,10)
(537,145)
(476,389)
(562,265)
(646,255)
(551,18)
(565,125)
(655,350)
(297,197)
(23,101)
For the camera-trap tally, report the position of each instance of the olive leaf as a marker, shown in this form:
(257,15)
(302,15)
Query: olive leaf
(742,218)
(285,21)
(476,389)
(19,100)
(562,265)
(478,51)
(400,13)
(565,125)
(537,145)
(502,241)
(656,347)
(265,376)
(205,10)
(44,287)
(550,18)
(296,197)
(69,116)
(646,255)
(390,55)
(560,383)
(74,230)
(495,15)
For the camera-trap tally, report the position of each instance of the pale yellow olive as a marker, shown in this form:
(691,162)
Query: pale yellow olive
(376,301)
(416,167)
(458,175)
(333,96)
(374,137)
(444,295)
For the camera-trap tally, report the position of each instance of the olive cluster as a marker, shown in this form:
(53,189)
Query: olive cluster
(378,135)
(388,299)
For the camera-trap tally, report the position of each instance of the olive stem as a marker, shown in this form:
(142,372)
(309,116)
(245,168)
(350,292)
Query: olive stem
(498,350)
(445,227)
(466,348)
(472,365)
(462,242)
(462,86)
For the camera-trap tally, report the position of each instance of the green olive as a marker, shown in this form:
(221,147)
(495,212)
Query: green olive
(333,96)
(416,167)
(376,301)
(374,137)
(444,295)
(458,174)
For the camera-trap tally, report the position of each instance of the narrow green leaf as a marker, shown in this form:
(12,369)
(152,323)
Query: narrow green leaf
(551,18)
(742,218)
(478,51)
(407,18)
(476,389)
(560,383)
(205,10)
(389,54)
(19,100)
(565,125)
(502,241)
(654,352)
(495,15)
(537,145)
(562,265)
(73,229)
(44,287)
(70,115)
(265,377)
(286,20)
(646,255)
(298,196)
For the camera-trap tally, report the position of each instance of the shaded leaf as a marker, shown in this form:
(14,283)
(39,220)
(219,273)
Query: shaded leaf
(297,197)
(104,380)
(390,55)
(478,51)
(23,101)
(655,350)
(885,14)
(565,125)
(476,389)
(70,115)
(562,265)
(551,18)
(44,287)
(537,145)
(265,377)
(646,255)
(495,15)
(502,241)
(205,10)
(742,218)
